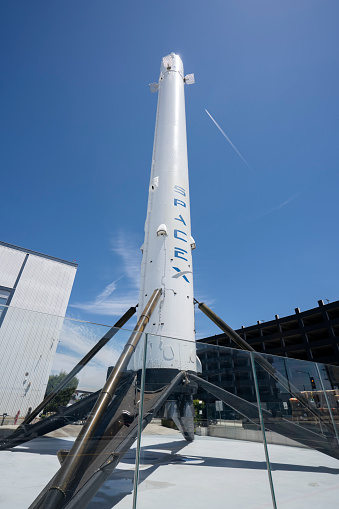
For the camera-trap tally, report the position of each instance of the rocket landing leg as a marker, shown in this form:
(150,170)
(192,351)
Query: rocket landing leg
(181,411)
(179,406)
(116,434)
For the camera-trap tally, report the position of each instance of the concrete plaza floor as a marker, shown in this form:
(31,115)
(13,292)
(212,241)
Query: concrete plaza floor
(208,473)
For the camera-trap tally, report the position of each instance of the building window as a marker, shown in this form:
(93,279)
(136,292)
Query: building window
(4,295)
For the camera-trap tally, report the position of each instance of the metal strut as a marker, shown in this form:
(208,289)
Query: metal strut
(96,348)
(55,496)
(78,411)
(262,362)
(322,443)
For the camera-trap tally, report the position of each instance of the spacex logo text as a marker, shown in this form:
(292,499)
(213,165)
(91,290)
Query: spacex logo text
(180,234)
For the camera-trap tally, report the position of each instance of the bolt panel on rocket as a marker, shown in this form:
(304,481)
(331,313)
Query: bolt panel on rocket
(168,244)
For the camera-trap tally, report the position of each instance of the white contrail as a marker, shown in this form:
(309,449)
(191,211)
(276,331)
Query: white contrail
(281,205)
(229,141)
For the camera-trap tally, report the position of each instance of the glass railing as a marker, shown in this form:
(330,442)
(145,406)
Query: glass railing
(249,430)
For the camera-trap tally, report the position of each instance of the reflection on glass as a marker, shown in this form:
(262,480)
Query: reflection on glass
(224,424)
(197,428)
(331,403)
(4,294)
(262,426)
(140,423)
(296,415)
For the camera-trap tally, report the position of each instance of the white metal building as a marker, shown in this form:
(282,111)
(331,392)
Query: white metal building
(34,293)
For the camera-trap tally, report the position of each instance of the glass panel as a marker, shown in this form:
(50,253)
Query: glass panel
(225,450)
(118,450)
(202,430)
(33,345)
(262,426)
(4,294)
(296,417)
(331,397)
(37,347)
(141,422)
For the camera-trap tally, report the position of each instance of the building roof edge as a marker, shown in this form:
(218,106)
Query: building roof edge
(36,253)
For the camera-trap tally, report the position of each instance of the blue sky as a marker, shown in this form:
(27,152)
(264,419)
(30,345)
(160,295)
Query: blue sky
(77,125)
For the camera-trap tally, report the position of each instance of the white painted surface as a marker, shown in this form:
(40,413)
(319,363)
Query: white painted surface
(45,286)
(31,327)
(10,264)
(167,256)
(209,472)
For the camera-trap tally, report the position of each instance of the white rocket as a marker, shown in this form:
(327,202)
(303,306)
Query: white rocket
(168,244)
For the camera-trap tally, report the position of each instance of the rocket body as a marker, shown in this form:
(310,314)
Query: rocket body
(168,244)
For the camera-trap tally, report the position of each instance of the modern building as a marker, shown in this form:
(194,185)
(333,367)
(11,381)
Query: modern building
(34,294)
(231,370)
(311,335)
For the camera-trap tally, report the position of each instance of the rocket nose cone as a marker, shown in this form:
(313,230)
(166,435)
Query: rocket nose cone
(172,62)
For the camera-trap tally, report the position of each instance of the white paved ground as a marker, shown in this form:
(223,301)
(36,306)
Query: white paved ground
(208,473)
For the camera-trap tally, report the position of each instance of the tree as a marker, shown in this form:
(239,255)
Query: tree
(64,396)
(198,406)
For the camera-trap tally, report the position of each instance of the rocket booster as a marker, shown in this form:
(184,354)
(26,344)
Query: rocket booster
(168,244)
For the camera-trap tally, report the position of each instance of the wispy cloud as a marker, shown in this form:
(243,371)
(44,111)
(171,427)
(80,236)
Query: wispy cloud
(76,339)
(114,300)
(229,141)
(129,253)
(108,307)
(108,290)
(91,378)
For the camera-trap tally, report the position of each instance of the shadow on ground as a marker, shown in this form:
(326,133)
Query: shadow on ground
(120,483)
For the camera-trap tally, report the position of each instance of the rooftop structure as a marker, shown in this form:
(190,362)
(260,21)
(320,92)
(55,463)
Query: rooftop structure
(311,335)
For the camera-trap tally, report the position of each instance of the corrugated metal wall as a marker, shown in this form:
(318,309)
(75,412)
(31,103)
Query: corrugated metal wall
(10,265)
(31,326)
